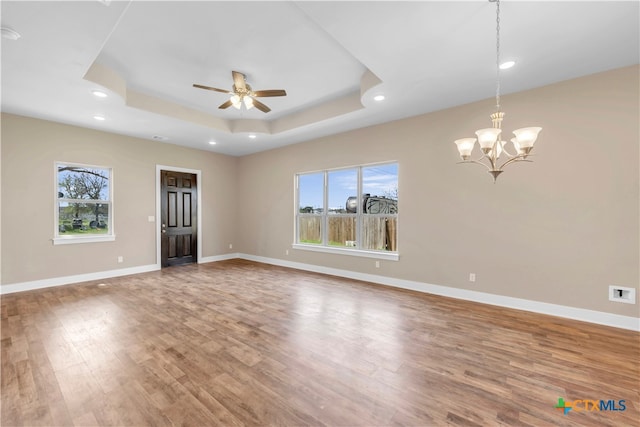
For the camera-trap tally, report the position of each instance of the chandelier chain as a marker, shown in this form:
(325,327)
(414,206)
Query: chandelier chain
(498,55)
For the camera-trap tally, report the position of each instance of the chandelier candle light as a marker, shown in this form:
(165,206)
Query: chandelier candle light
(489,139)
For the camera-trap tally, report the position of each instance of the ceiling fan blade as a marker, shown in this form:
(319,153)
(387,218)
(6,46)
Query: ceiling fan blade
(260,106)
(211,88)
(225,104)
(238,80)
(270,92)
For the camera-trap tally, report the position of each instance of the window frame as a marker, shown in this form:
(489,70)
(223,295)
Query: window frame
(324,216)
(59,239)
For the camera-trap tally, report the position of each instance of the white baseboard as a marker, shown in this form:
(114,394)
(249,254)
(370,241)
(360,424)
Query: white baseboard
(591,316)
(66,280)
(216,258)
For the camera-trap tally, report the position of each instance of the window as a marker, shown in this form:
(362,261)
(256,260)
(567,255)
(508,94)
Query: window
(84,211)
(352,211)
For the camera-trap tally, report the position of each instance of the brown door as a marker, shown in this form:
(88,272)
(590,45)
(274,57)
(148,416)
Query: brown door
(179,218)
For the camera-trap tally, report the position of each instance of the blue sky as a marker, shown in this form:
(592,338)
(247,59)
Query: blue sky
(377,180)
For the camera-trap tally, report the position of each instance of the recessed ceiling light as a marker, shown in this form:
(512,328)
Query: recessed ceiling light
(9,34)
(378,98)
(212,142)
(252,136)
(99,93)
(506,65)
(99,118)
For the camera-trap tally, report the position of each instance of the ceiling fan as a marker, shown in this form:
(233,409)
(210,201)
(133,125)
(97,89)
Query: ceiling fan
(243,94)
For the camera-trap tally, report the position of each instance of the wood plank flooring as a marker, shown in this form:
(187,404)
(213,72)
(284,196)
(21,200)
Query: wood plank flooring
(240,343)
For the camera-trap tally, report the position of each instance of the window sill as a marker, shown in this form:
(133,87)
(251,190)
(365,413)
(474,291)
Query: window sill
(70,240)
(390,256)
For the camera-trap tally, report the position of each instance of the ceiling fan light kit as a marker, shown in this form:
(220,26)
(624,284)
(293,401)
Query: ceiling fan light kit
(242,93)
(490,139)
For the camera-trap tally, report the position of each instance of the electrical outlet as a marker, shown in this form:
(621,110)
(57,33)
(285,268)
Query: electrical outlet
(377,264)
(472,277)
(230,245)
(120,259)
(622,294)
(286,252)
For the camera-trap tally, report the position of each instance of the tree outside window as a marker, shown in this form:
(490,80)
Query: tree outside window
(83,201)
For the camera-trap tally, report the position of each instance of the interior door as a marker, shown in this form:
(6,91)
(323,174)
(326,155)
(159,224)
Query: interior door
(179,218)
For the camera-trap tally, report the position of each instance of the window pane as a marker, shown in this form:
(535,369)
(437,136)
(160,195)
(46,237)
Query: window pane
(380,188)
(87,183)
(342,185)
(342,230)
(311,193)
(309,229)
(379,233)
(83,218)
(357,208)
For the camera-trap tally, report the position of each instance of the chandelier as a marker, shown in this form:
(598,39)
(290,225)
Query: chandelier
(490,139)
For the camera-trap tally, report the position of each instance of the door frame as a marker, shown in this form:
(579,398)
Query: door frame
(198,174)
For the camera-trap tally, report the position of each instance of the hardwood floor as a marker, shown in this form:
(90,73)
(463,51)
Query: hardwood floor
(241,343)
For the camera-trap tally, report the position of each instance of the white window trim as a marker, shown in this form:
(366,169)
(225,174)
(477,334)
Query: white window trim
(390,256)
(69,240)
(384,255)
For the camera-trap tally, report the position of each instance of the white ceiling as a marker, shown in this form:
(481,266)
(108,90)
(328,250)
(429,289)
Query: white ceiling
(330,57)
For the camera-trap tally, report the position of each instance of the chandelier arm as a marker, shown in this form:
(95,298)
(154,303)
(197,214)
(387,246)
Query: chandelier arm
(493,161)
(515,159)
(504,150)
(477,162)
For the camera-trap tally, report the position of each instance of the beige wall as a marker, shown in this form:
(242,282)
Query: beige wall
(558,230)
(30,148)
